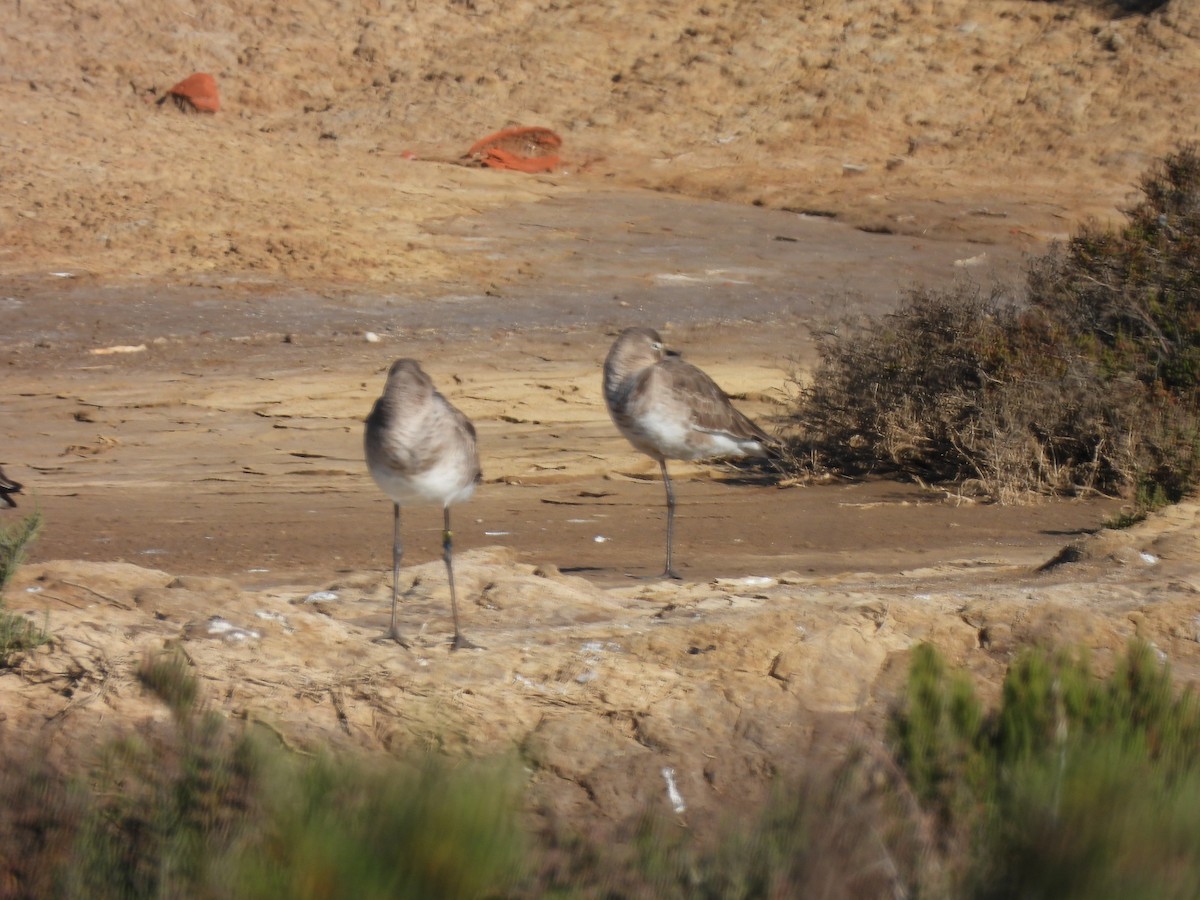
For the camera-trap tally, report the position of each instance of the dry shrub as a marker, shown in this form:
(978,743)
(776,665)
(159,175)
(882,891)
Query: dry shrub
(965,388)
(835,831)
(1088,385)
(1131,298)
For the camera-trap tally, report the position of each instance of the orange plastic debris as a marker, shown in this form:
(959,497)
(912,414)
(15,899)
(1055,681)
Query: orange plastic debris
(496,158)
(525,149)
(199,90)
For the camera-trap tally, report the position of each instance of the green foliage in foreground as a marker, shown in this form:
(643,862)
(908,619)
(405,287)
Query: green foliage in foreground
(17,633)
(14,541)
(827,826)
(385,832)
(1076,787)
(206,809)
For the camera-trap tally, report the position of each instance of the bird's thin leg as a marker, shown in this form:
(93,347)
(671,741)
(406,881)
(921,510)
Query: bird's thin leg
(397,556)
(669,572)
(459,642)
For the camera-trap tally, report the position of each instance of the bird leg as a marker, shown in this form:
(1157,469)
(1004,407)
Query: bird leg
(459,642)
(668,572)
(397,555)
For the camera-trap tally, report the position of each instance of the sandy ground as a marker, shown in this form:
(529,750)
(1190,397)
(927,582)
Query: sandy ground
(240,421)
(184,309)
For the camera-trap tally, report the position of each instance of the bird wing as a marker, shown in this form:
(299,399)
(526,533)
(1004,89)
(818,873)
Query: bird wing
(710,407)
(468,428)
(419,443)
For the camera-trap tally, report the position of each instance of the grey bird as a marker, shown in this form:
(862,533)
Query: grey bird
(669,409)
(420,450)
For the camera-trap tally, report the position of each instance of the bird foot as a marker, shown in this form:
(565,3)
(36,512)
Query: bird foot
(672,574)
(393,636)
(458,642)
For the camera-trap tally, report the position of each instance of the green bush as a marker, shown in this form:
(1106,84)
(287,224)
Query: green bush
(1106,822)
(1075,787)
(939,738)
(341,828)
(166,806)
(17,633)
(14,542)
(204,808)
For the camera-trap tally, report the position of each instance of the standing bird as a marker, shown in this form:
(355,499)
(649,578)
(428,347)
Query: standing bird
(7,487)
(420,450)
(669,409)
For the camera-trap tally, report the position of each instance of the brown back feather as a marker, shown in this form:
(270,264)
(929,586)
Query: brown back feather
(712,410)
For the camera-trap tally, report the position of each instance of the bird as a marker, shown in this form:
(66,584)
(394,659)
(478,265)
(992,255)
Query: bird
(7,488)
(669,409)
(421,450)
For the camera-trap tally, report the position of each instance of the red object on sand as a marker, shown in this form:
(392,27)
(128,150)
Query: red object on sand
(526,149)
(200,90)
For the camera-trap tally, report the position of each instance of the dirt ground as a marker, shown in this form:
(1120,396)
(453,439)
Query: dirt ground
(240,422)
(196,312)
